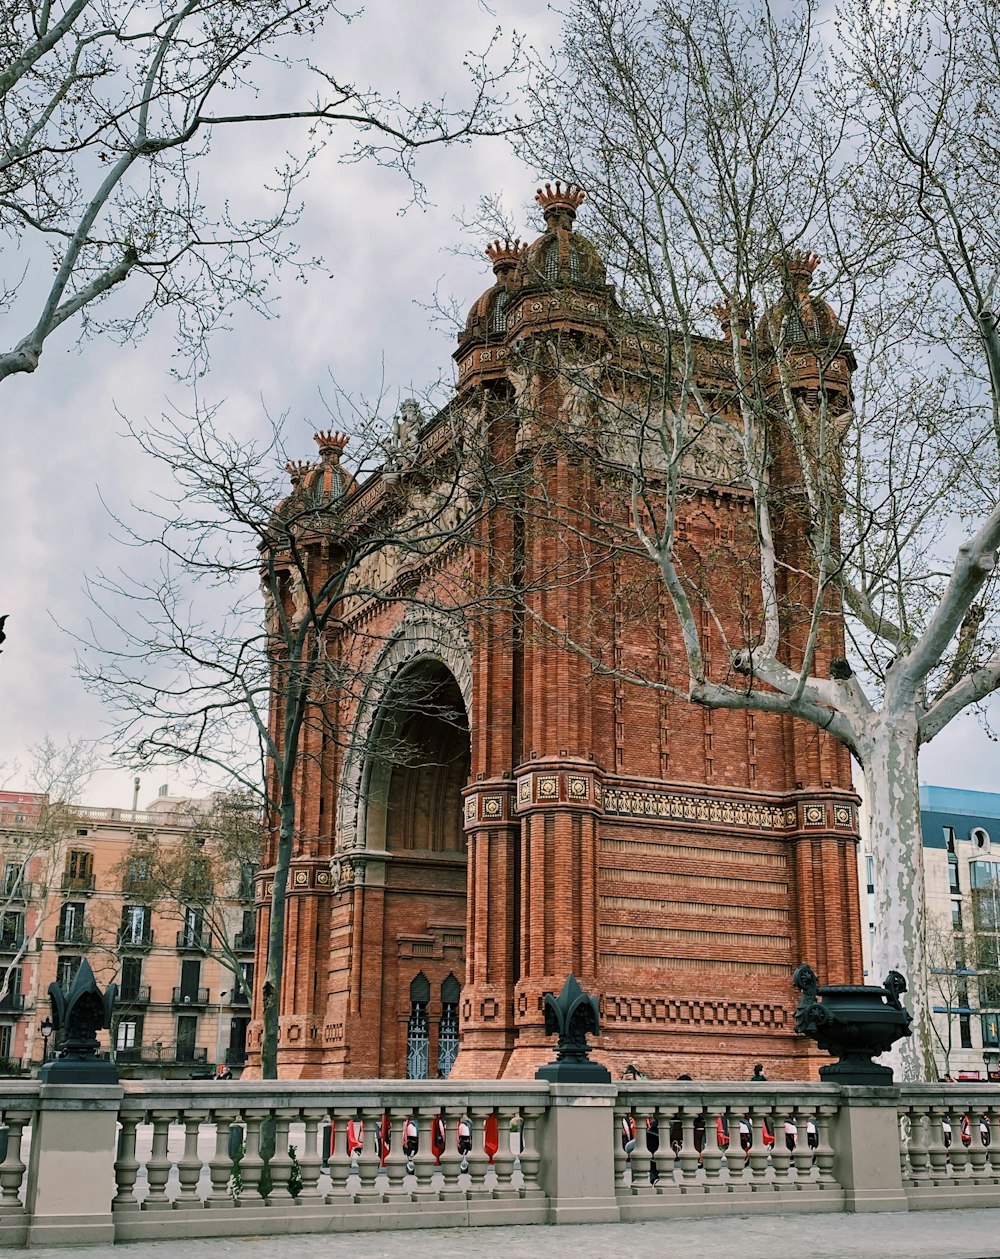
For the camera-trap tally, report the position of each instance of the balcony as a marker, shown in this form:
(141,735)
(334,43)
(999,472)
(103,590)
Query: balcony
(77,882)
(76,936)
(190,997)
(244,941)
(239,997)
(132,997)
(11,943)
(235,1057)
(23,892)
(138,885)
(12,1002)
(130,941)
(190,941)
(162,1054)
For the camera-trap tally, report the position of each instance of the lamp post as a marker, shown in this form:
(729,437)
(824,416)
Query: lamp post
(46,1030)
(218,1030)
(991,1060)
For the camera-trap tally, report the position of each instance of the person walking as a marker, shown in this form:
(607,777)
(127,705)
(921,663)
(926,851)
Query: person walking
(758,1073)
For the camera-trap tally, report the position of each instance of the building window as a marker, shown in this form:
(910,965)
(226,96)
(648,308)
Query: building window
(6,1039)
(991,1031)
(451,990)
(66,969)
(191,932)
(417,1042)
(128,1034)
(10,987)
(956,915)
(131,979)
(965,1030)
(12,878)
(135,924)
(72,928)
(80,868)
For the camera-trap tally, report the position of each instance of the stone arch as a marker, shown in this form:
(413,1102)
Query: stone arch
(433,638)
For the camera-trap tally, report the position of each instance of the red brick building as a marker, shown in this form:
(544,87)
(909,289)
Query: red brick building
(513,786)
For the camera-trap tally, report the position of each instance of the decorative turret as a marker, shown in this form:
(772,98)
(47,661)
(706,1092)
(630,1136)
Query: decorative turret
(504,255)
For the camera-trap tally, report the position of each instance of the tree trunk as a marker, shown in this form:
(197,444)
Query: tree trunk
(900,928)
(276,943)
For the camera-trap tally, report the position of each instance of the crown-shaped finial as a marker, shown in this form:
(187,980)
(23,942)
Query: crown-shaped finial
(798,265)
(504,254)
(331,443)
(562,198)
(297,469)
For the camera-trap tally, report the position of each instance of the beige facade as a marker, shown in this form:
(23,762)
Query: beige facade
(75,884)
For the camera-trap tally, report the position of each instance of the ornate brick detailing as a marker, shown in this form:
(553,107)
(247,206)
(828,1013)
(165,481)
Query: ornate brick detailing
(670,879)
(550,786)
(438,942)
(488,803)
(660,905)
(697,1012)
(623,802)
(694,936)
(655,962)
(647,848)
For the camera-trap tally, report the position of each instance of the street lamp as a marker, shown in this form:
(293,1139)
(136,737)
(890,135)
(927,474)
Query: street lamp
(46,1030)
(991,1059)
(218,1030)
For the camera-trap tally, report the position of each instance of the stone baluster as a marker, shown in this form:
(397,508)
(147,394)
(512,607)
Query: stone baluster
(396,1163)
(159,1163)
(530,1157)
(937,1151)
(12,1167)
(220,1165)
(451,1160)
(340,1160)
(978,1151)
(916,1146)
(478,1158)
(758,1150)
(423,1160)
(824,1150)
(734,1152)
(252,1165)
(711,1154)
(687,1155)
(369,1167)
(504,1160)
(126,1164)
(622,1163)
(958,1154)
(189,1164)
(281,1161)
(993,1115)
(802,1158)
(310,1156)
(641,1161)
(781,1155)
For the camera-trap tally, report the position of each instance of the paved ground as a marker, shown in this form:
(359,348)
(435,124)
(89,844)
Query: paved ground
(913,1235)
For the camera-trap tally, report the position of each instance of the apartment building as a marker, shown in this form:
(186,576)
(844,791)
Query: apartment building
(148,898)
(959,829)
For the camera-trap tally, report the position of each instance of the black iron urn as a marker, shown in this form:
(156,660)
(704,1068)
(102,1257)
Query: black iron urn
(855,1022)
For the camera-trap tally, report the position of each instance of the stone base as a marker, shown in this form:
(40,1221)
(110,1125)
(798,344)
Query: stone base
(78,1071)
(574,1073)
(856,1071)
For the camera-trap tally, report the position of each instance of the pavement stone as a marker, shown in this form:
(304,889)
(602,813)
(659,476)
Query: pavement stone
(962,1234)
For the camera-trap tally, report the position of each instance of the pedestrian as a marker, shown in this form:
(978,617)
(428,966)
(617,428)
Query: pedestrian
(758,1073)
(222,1072)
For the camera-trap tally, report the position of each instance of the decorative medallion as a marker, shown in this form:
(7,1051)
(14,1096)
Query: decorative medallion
(548,787)
(524,790)
(577,788)
(470,810)
(301,878)
(322,877)
(842,815)
(814,815)
(492,806)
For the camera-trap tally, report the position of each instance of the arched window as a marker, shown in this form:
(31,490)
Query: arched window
(416,1029)
(451,990)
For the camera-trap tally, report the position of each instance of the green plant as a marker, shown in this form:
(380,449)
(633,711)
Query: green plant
(294,1173)
(236,1175)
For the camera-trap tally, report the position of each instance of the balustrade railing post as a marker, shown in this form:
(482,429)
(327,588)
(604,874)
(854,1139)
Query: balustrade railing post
(159,1162)
(916,1145)
(423,1160)
(504,1160)
(252,1165)
(478,1158)
(621,1156)
(865,1134)
(958,1154)
(368,1157)
(577,1150)
(71,1165)
(978,1152)
(451,1159)
(802,1156)
(395,1165)
(340,1158)
(937,1151)
(758,1150)
(687,1155)
(711,1151)
(531,1157)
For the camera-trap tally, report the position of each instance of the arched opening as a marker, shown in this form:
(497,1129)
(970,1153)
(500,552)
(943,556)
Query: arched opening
(417,765)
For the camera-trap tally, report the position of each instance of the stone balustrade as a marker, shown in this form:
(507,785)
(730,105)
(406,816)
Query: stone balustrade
(185,1159)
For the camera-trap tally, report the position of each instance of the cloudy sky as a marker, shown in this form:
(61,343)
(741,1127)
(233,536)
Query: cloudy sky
(359,322)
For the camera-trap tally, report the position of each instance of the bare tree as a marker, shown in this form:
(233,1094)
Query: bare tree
(717,157)
(183,656)
(33,835)
(108,116)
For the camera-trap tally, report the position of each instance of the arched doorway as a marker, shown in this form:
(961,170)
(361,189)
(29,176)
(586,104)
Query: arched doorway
(416,767)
